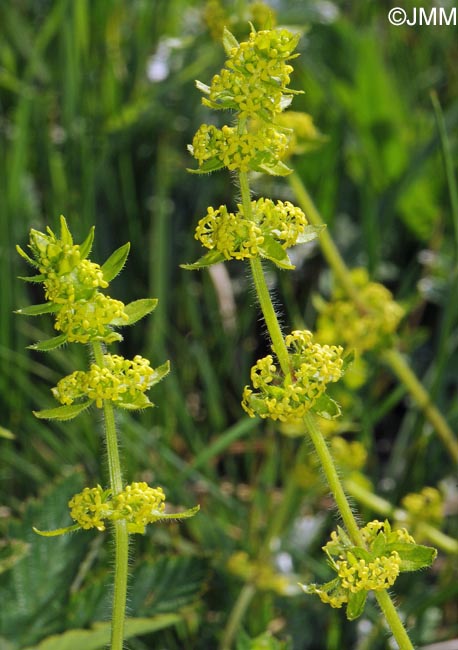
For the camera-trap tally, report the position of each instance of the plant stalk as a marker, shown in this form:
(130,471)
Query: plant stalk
(392,357)
(120,527)
(316,436)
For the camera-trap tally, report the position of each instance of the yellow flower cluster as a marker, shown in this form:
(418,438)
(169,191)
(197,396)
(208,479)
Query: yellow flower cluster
(88,320)
(313,366)
(358,575)
(138,504)
(235,150)
(361,329)
(78,284)
(237,237)
(90,508)
(373,566)
(256,75)
(121,381)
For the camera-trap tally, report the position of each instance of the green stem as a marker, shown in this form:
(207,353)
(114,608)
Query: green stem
(238,611)
(392,617)
(400,367)
(392,357)
(120,526)
(332,477)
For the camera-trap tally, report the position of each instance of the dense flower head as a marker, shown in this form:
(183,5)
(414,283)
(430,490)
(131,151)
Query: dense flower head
(88,320)
(312,368)
(255,78)
(372,566)
(120,380)
(90,508)
(363,329)
(238,151)
(78,284)
(238,237)
(139,504)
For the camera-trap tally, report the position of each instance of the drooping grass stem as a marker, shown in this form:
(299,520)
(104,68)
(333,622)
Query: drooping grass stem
(121,535)
(392,357)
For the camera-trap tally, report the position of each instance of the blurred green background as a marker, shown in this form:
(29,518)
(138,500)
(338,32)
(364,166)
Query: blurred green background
(97,105)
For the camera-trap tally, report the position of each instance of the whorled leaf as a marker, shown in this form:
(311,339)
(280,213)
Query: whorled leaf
(37,310)
(115,263)
(49,344)
(62,413)
(212,257)
(135,311)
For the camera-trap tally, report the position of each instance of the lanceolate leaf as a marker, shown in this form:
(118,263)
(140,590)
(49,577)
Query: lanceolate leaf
(57,531)
(355,606)
(36,310)
(229,41)
(49,344)
(67,412)
(161,372)
(212,257)
(326,407)
(310,233)
(274,252)
(85,247)
(208,166)
(136,310)
(276,168)
(32,278)
(186,514)
(114,264)
(413,556)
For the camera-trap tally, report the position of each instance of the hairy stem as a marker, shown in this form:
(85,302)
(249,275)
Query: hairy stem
(120,527)
(316,436)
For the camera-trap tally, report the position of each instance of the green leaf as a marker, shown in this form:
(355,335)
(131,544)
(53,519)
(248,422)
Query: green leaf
(355,606)
(37,310)
(275,252)
(99,635)
(49,344)
(326,407)
(276,168)
(160,372)
(136,310)
(229,41)
(57,531)
(211,165)
(67,412)
(348,360)
(85,247)
(23,254)
(212,257)
(32,278)
(413,556)
(186,514)
(65,234)
(310,233)
(114,264)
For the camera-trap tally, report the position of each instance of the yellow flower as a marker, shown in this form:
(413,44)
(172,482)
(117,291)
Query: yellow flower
(90,508)
(313,366)
(88,320)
